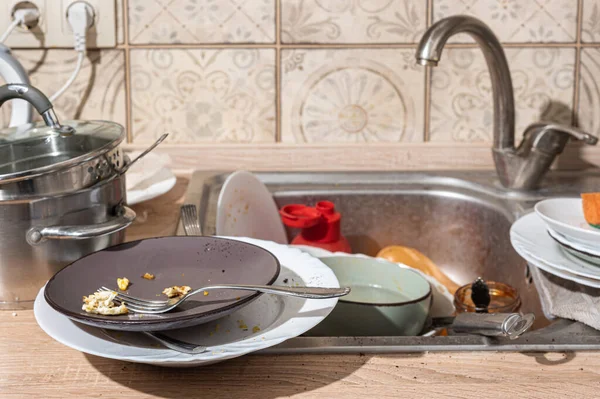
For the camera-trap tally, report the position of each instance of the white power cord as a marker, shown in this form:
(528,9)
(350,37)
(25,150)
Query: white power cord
(81,18)
(23,16)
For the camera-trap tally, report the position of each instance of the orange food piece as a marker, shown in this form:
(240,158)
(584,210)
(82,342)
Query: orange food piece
(591,208)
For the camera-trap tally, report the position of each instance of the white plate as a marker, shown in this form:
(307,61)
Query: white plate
(576,250)
(443,300)
(155,186)
(530,239)
(576,245)
(246,209)
(279,318)
(565,216)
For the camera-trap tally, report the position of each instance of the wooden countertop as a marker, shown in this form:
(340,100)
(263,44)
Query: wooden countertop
(33,365)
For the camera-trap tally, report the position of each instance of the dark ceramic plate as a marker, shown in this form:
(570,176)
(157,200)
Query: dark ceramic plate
(193,261)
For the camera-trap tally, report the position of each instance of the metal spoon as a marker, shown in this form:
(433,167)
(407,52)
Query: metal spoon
(157,142)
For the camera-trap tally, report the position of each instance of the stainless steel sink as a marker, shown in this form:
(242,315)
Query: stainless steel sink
(461,220)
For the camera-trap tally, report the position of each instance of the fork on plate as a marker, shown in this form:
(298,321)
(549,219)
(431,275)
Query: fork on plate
(140,305)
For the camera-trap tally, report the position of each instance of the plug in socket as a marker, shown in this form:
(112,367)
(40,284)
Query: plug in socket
(35,37)
(101,34)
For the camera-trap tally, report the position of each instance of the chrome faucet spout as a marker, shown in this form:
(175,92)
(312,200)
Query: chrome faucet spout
(519,168)
(429,53)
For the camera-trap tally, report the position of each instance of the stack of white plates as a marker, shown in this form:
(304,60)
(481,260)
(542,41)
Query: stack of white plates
(265,322)
(556,238)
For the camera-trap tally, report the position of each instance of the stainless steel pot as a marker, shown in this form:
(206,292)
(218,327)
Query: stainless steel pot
(46,158)
(39,236)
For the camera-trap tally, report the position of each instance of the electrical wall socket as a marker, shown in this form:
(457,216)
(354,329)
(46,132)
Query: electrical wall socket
(101,34)
(20,37)
(54,29)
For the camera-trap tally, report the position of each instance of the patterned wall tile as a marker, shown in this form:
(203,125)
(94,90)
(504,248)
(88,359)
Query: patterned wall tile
(353,21)
(516,21)
(357,95)
(590,23)
(589,91)
(97,93)
(461,97)
(203,95)
(201,21)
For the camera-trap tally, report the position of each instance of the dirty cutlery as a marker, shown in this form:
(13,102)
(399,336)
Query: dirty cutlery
(140,305)
(189,219)
(175,344)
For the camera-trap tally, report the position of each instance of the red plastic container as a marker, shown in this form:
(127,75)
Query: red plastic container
(320,226)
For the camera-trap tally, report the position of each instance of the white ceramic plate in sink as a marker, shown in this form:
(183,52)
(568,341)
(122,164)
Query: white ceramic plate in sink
(565,216)
(279,318)
(530,239)
(246,209)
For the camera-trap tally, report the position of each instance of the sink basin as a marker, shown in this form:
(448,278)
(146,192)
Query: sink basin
(461,220)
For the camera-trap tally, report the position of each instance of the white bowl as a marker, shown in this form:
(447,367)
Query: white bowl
(565,216)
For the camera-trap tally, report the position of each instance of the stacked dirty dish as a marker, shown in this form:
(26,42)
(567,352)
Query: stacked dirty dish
(557,239)
(213,326)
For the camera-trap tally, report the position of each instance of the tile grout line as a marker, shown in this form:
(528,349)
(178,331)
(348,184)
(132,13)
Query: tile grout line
(129,124)
(278,133)
(577,75)
(335,45)
(427,102)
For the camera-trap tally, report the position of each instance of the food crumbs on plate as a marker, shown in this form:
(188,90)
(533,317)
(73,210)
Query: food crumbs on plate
(148,276)
(285,281)
(205,293)
(102,303)
(123,283)
(255,329)
(182,275)
(237,299)
(176,290)
(217,327)
(242,325)
(222,271)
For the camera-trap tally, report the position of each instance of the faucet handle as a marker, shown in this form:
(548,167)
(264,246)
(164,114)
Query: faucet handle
(541,128)
(542,142)
(551,138)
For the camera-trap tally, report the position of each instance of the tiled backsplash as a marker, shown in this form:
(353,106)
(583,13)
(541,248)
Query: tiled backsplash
(326,71)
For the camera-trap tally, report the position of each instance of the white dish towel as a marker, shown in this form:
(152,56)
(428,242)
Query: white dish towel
(567,299)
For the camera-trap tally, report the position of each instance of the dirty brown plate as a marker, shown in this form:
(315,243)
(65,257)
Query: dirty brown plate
(193,261)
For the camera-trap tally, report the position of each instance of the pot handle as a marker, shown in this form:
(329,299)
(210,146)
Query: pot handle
(37,235)
(39,101)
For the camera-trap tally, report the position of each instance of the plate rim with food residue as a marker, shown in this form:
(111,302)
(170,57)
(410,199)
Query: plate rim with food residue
(253,265)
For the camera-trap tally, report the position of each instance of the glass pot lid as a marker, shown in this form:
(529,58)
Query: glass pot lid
(34,149)
(43,147)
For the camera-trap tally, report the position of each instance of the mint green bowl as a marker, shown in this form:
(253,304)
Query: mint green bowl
(386,299)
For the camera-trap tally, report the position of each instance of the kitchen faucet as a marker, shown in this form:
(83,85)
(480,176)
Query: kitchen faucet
(520,168)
